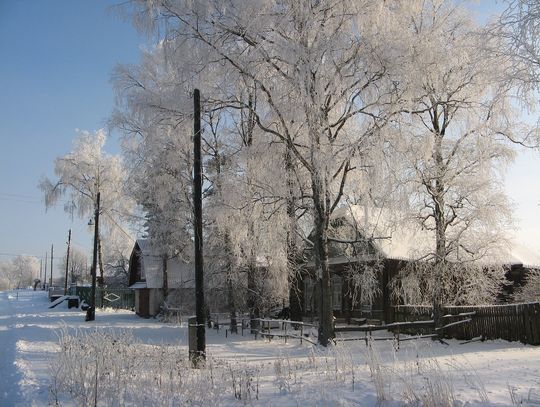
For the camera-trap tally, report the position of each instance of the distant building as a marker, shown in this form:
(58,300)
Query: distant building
(146,277)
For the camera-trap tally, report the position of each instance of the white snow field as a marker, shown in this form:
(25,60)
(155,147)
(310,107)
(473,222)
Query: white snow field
(143,363)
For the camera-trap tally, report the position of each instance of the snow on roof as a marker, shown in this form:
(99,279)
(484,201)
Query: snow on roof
(522,254)
(395,236)
(138,284)
(398,236)
(179,273)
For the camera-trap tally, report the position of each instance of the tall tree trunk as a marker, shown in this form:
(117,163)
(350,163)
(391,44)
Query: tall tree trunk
(165,277)
(326,316)
(230,286)
(252,298)
(248,126)
(440,226)
(232,307)
(294,275)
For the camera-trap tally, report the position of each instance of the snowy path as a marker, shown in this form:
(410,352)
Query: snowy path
(480,374)
(25,347)
(9,385)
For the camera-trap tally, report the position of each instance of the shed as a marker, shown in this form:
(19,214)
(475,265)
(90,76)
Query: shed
(146,277)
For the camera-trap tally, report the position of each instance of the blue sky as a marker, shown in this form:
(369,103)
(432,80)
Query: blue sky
(57,56)
(56,60)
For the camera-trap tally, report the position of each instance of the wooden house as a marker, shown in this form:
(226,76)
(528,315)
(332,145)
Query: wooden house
(368,247)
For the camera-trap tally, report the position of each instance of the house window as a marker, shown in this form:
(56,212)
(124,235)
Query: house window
(310,294)
(337,294)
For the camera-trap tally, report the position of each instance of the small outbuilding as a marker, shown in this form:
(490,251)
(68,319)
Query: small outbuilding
(152,276)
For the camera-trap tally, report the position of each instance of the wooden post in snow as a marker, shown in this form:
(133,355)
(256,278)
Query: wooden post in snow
(52,255)
(197,208)
(91,311)
(67,263)
(45,278)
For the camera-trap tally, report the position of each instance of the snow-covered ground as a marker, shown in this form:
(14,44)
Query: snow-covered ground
(143,362)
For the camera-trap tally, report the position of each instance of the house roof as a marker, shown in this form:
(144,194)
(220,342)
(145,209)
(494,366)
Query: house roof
(394,235)
(179,273)
(522,254)
(398,236)
(138,285)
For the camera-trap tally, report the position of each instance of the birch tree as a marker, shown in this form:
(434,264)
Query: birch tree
(455,136)
(518,29)
(80,175)
(320,67)
(152,116)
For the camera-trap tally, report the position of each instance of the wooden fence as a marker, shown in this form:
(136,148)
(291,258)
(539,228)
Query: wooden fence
(512,322)
(288,329)
(119,298)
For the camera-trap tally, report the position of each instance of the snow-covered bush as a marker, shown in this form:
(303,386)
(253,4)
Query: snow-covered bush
(459,283)
(112,368)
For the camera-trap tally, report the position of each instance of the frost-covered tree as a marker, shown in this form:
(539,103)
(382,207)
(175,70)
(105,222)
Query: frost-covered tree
(161,186)
(19,272)
(80,175)
(453,144)
(319,67)
(518,29)
(4,281)
(118,244)
(152,112)
(78,271)
(153,115)
(518,32)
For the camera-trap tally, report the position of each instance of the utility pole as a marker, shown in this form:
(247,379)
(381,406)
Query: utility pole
(67,263)
(197,204)
(91,311)
(40,270)
(45,279)
(52,255)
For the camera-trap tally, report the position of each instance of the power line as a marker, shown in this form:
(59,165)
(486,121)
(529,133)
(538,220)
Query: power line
(119,227)
(21,254)
(4,196)
(56,260)
(18,195)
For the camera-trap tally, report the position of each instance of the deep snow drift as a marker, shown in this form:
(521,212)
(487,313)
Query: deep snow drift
(144,362)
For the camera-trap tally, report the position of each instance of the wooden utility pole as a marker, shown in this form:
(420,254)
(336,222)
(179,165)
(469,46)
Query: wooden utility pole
(52,255)
(67,263)
(91,311)
(40,270)
(45,278)
(197,204)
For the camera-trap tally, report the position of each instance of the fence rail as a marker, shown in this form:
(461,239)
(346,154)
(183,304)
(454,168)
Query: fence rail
(512,322)
(119,298)
(288,329)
